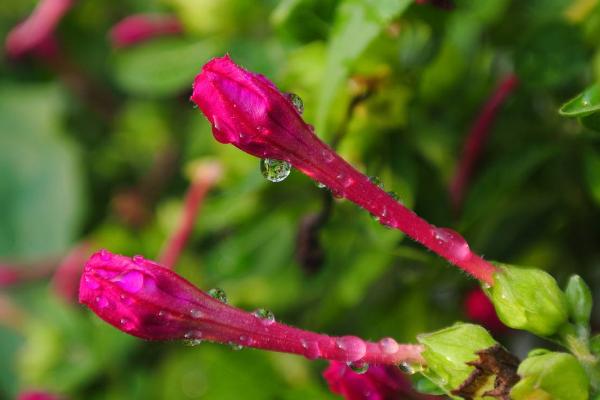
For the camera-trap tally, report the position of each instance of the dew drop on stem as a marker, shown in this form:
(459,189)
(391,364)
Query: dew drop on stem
(358,367)
(266,316)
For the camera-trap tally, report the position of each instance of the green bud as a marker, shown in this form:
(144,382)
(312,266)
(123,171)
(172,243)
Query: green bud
(552,376)
(579,300)
(528,299)
(447,351)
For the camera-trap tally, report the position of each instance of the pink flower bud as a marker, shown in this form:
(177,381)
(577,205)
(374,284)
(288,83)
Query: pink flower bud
(379,382)
(152,302)
(35,33)
(142,27)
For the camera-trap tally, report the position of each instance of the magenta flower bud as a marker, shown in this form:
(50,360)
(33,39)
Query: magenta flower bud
(36,31)
(379,382)
(142,27)
(146,300)
(248,111)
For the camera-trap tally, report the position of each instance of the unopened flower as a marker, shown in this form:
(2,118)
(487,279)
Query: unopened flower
(379,382)
(35,33)
(149,301)
(248,111)
(142,27)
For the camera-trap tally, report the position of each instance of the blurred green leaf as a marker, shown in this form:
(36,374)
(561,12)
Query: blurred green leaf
(357,23)
(162,67)
(41,184)
(584,104)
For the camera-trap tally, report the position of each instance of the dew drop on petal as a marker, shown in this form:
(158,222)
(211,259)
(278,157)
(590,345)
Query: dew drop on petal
(354,348)
(195,313)
(236,347)
(131,281)
(102,301)
(358,367)
(139,260)
(91,283)
(218,294)
(104,255)
(275,170)
(192,338)
(126,324)
(296,102)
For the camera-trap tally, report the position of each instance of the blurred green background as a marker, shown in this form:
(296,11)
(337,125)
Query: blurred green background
(96,147)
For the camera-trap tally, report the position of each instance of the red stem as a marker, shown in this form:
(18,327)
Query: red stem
(206,177)
(477,138)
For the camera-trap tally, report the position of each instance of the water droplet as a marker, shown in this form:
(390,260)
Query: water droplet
(125,299)
(409,368)
(102,301)
(328,155)
(195,313)
(376,181)
(388,345)
(353,347)
(296,102)
(218,294)
(266,316)
(162,314)
(320,185)
(345,180)
(91,283)
(139,260)
(312,351)
(275,170)
(236,347)
(126,324)
(358,367)
(192,338)
(394,195)
(105,255)
(131,281)
(453,242)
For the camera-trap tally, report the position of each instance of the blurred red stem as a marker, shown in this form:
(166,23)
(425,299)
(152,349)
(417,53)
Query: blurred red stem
(477,138)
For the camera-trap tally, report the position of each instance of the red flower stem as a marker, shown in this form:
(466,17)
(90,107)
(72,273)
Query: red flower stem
(477,138)
(347,182)
(205,177)
(243,328)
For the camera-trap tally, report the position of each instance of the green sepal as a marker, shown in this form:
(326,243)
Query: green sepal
(528,299)
(579,300)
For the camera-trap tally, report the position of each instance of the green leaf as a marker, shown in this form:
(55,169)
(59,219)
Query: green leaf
(583,104)
(40,188)
(357,23)
(447,352)
(162,67)
(556,376)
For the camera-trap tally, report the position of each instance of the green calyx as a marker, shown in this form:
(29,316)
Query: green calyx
(528,299)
